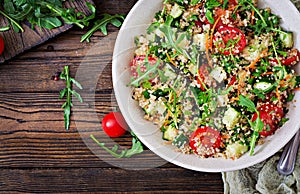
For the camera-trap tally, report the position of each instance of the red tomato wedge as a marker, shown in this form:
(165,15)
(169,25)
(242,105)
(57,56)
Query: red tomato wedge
(229,39)
(270,115)
(139,62)
(205,136)
(1,45)
(293,57)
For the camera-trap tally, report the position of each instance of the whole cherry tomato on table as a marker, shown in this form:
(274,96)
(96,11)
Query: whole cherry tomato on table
(1,45)
(114,124)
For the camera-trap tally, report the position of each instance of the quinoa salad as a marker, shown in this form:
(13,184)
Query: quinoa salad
(215,76)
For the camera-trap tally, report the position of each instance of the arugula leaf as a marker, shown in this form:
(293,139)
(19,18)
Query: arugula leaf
(147,75)
(68,92)
(4,28)
(246,102)
(256,125)
(209,16)
(45,14)
(136,148)
(174,42)
(210,4)
(102,23)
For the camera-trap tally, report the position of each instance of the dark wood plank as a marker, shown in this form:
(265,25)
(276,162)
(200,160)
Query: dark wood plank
(16,43)
(171,180)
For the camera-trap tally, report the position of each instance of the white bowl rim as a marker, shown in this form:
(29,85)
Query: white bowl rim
(183,160)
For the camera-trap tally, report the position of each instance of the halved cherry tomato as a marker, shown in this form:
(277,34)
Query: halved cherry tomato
(270,115)
(292,58)
(114,124)
(203,72)
(228,40)
(205,136)
(139,62)
(1,45)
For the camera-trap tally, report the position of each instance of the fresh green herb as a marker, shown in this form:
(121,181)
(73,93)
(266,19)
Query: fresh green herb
(174,43)
(45,14)
(209,16)
(147,75)
(246,102)
(68,92)
(4,28)
(17,27)
(136,148)
(101,25)
(256,125)
(210,4)
(225,3)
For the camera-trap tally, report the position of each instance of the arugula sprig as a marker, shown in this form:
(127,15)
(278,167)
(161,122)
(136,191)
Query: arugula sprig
(68,92)
(45,14)
(14,23)
(101,24)
(173,42)
(4,28)
(136,148)
(256,125)
(210,5)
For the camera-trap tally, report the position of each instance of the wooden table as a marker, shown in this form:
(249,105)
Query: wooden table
(38,155)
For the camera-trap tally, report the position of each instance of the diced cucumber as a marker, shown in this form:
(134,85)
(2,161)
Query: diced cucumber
(222,100)
(287,39)
(199,39)
(180,140)
(263,86)
(176,11)
(231,117)
(170,133)
(218,74)
(236,149)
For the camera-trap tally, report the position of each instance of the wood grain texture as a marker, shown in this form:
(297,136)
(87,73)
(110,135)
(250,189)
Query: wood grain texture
(108,180)
(16,43)
(37,155)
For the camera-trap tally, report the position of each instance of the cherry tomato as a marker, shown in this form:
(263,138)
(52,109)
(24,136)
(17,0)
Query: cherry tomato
(114,124)
(292,58)
(233,38)
(1,45)
(139,61)
(270,115)
(205,136)
(203,72)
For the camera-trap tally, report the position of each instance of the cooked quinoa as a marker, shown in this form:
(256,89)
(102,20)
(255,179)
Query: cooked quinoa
(215,76)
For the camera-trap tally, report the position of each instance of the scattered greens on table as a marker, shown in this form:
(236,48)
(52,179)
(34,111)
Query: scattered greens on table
(52,14)
(67,92)
(136,148)
(225,105)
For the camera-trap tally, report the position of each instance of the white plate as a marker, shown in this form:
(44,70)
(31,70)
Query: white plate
(135,24)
